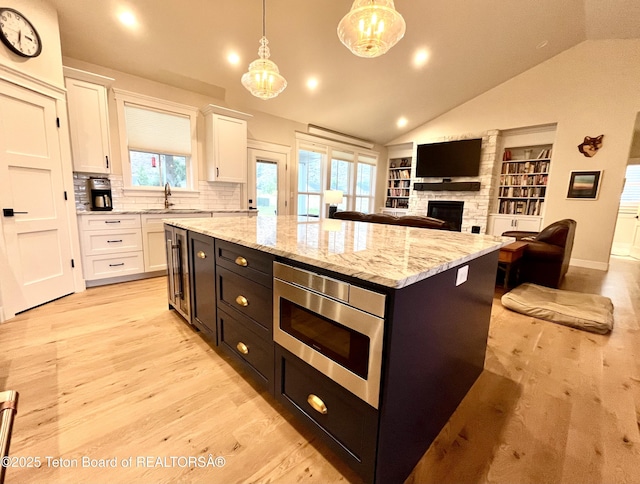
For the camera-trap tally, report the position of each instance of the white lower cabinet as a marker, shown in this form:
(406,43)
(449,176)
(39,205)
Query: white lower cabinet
(106,266)
(100,242)
(111,246)
(115,245)
(154,244)
(498,224)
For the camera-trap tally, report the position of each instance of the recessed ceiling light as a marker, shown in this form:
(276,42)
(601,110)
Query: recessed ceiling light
(128,18)
(420,58)
(312,83)
(402,122)
(233,58)
(542,44)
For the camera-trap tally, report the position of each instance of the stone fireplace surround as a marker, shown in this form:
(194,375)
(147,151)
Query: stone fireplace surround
(476,203)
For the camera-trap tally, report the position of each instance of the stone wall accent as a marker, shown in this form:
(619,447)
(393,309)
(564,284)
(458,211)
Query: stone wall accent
(476,204)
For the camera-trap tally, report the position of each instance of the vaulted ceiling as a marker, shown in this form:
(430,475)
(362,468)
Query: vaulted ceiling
(471,47)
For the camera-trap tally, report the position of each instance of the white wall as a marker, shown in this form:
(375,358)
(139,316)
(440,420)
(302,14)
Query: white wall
(591,89)
(48,65)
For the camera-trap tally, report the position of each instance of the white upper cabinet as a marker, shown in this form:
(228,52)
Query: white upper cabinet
(226,144)
(88,124)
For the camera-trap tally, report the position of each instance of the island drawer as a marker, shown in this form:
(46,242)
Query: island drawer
(343,421)
(242,338)
(250,263)
(245,296)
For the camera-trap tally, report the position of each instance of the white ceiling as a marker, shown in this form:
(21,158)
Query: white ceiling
(473,46)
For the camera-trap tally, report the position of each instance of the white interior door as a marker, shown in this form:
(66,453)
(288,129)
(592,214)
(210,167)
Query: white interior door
(35,248)
(267,182)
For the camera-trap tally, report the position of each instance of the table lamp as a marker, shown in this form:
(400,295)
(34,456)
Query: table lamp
(333,198)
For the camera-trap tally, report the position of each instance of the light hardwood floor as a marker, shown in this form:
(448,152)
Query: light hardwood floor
(111,373)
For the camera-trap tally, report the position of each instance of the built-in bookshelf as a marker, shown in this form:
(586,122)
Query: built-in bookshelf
(399,183)
(523,180)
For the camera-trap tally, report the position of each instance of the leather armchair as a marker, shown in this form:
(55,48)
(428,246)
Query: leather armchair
(546,257)
(381,218)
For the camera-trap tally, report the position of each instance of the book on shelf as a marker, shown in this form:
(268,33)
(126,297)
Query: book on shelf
(545,153)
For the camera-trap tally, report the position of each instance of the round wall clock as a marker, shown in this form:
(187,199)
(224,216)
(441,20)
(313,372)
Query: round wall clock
(19,34)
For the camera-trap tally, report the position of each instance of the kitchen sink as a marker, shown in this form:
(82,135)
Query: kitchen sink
(173,210)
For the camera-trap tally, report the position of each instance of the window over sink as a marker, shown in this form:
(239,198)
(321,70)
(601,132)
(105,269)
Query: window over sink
(158,143)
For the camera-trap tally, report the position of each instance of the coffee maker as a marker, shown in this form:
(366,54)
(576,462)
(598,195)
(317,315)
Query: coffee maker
(100,193)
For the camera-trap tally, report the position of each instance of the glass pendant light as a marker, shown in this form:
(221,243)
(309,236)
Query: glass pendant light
(263,79)
(371,27)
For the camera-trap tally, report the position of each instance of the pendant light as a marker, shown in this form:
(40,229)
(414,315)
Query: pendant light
(371,27)
(263,79)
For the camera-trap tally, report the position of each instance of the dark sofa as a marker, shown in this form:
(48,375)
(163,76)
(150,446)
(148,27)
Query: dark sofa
(406,220)
(546,257)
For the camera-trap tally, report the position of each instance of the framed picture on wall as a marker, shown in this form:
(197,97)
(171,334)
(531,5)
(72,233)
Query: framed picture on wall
(584,184)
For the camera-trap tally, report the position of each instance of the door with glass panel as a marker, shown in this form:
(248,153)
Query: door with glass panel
(267,182)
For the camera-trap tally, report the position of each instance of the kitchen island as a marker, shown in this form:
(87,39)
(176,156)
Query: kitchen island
(429,291)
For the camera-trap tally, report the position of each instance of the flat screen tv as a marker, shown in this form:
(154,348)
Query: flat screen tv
(449,159)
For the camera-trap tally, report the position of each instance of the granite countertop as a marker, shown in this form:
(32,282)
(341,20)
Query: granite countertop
(171,211)
(388,255)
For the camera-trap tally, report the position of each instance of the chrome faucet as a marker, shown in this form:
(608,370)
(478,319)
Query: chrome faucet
(167,194)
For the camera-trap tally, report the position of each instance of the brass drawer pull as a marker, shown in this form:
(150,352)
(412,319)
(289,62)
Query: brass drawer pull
(201,254)
(242,348)
(241,261)
(317,404)
(242,301)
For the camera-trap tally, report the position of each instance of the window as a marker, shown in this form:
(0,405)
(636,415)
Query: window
(159,143)
(365,183)
(630,198)
(155,169)
(342,176)
(310,164)
(351,170)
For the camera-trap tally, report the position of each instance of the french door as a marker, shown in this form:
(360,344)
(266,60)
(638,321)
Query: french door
(35,248)
(267,182)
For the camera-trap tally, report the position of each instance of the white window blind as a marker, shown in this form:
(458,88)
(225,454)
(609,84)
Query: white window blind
(156,131)
(630,198)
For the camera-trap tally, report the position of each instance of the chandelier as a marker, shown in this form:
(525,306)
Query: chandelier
(263,79)
(371,27)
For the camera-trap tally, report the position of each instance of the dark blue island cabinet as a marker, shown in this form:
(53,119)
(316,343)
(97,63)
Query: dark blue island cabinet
(433,350)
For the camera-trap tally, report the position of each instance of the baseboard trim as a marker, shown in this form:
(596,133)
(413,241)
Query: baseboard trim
(589,264)
(128,278)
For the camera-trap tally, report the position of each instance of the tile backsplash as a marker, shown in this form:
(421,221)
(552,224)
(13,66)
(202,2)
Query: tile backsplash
(214,196)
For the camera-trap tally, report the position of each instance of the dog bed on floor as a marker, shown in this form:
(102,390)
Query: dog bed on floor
(589,312)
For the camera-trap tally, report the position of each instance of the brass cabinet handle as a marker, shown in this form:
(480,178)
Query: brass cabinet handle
(201,254)
(317,404)
(241,261)
(242,348)
(242,301)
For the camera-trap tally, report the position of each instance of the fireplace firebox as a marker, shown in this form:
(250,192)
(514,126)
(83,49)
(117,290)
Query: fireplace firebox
(449,211)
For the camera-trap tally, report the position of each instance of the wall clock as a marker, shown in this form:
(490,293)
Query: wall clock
(18,33)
